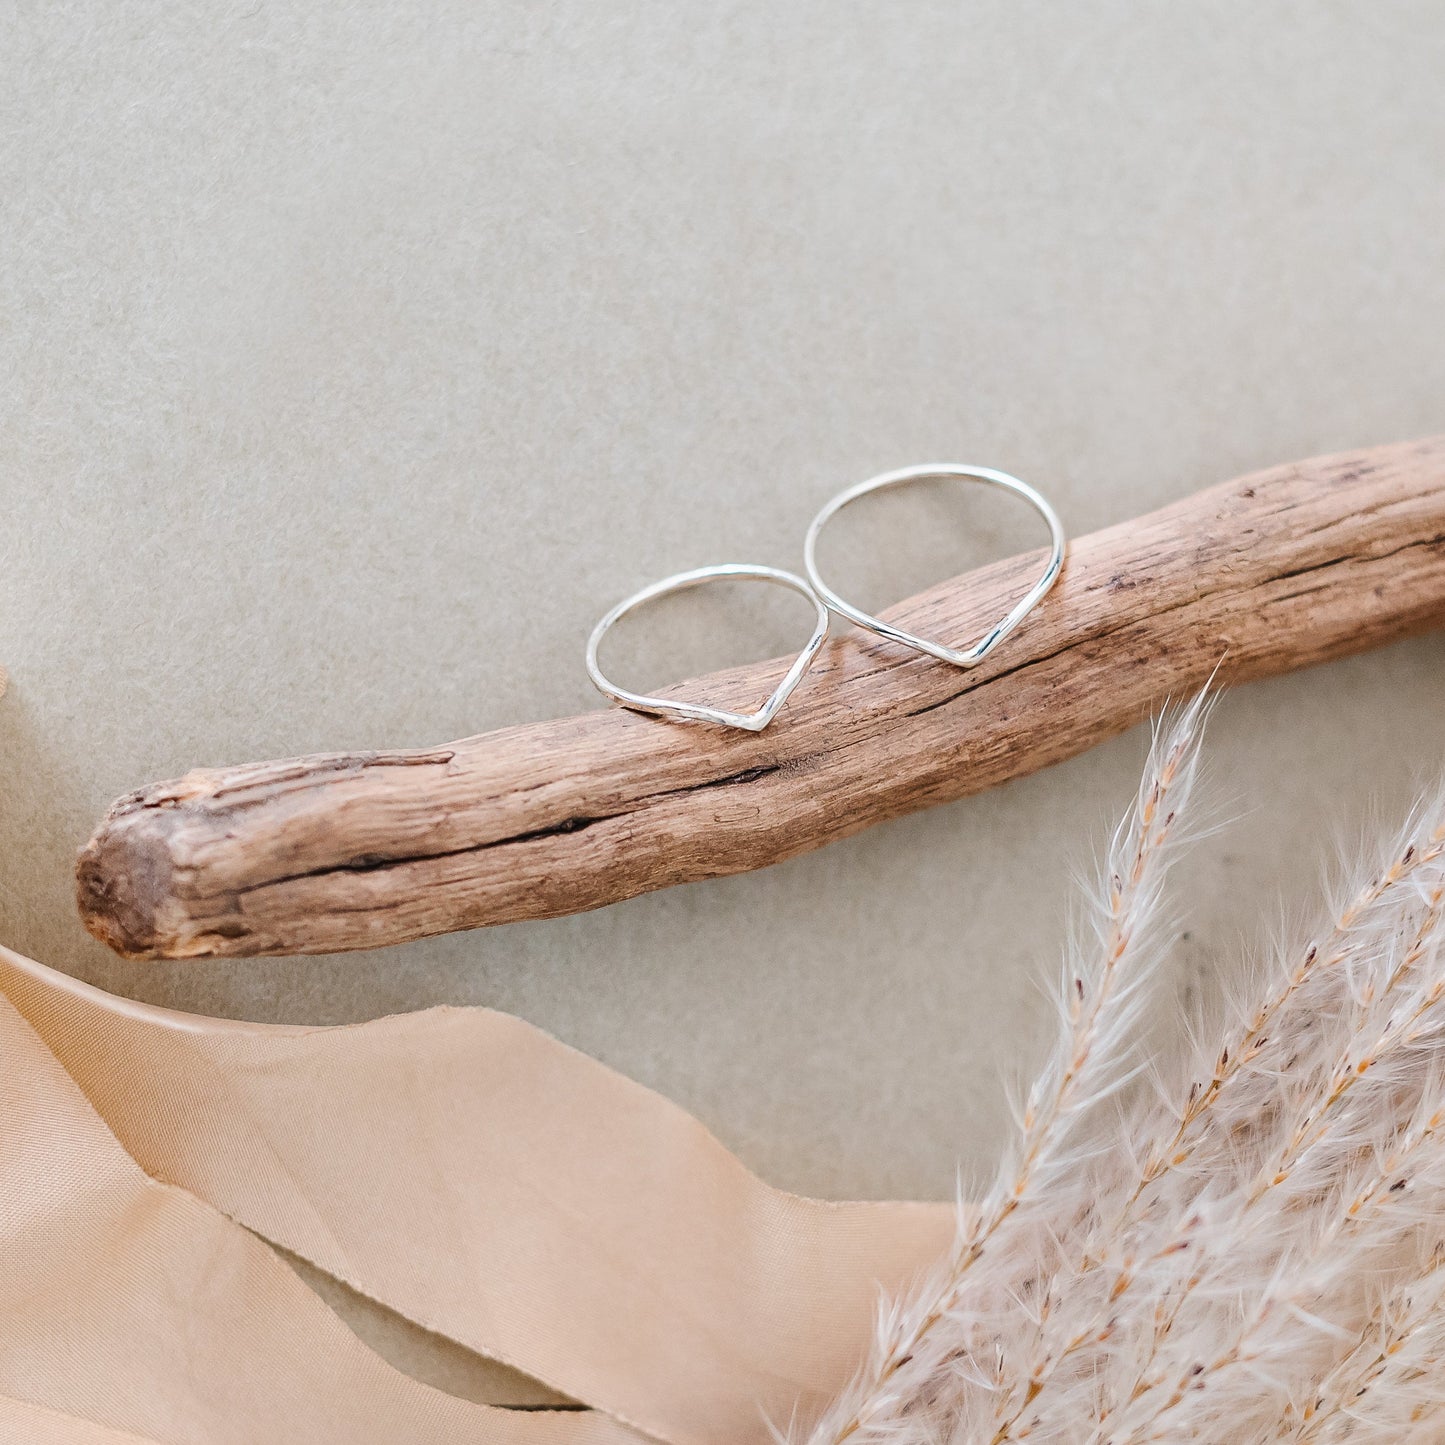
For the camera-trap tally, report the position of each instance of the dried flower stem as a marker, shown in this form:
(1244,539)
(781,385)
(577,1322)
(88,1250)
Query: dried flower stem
(1089,1063)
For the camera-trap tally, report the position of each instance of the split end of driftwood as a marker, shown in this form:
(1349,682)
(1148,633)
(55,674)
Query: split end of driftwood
(1276,571)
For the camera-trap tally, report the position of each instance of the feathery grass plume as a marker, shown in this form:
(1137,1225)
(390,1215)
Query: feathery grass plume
(1310,1163)
(925,1341)
(1386,1387)
(1214,1296)
(1254,1253)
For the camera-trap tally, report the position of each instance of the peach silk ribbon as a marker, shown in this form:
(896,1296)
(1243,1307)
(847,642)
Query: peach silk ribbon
(456,1165)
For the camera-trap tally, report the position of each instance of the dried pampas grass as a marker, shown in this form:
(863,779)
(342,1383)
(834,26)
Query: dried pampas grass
(1249,1247)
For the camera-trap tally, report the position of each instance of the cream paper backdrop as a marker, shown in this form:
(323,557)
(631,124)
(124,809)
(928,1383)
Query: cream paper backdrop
(357,355)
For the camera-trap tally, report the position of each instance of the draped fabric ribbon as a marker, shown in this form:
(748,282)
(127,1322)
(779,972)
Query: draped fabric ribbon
(456,1165)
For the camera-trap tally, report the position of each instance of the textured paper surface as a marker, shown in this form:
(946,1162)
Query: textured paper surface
(356,356)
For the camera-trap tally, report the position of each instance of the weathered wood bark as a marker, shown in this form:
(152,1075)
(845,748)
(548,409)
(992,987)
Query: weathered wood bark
(1280,570)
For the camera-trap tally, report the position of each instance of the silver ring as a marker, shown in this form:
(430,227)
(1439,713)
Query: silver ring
(752,722)
(968,656)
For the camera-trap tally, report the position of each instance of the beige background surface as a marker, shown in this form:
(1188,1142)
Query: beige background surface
(357,355)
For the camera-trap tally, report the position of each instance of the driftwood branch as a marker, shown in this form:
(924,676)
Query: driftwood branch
(1276,571)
